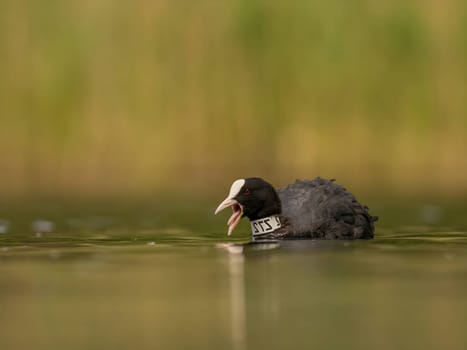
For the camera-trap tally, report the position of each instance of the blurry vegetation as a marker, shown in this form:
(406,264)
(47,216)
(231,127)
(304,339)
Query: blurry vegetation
(138,97)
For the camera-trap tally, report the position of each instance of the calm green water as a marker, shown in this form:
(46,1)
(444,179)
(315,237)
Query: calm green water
(94,282)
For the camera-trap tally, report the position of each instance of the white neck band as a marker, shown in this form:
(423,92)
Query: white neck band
(265,225)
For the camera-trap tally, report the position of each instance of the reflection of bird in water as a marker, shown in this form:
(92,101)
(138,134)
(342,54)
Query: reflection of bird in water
(308,209)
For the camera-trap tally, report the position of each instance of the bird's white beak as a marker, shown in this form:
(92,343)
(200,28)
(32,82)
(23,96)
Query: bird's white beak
(237,212)
(231,202)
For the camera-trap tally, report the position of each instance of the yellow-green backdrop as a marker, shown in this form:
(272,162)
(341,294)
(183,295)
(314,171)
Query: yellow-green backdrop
(137,97)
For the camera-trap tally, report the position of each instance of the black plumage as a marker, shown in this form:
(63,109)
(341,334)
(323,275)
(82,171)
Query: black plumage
(308,209)
(322,208)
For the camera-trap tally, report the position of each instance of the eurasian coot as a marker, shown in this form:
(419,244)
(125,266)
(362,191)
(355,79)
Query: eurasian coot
(306,209)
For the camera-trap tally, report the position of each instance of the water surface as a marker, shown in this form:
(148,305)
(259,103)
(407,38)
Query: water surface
(102,285)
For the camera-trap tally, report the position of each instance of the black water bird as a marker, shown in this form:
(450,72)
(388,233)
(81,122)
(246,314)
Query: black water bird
(306,209)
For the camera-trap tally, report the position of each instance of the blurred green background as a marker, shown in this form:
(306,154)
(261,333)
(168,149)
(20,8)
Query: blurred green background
(104,98)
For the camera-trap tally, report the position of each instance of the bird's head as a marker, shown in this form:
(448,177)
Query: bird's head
(251,197)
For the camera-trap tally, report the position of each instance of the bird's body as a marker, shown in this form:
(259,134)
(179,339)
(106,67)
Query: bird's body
(322,209)
(307,209)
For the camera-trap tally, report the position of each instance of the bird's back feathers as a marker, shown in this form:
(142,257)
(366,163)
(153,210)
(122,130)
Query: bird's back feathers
(323,209)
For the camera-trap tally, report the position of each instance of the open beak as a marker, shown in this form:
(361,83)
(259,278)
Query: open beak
(236,215)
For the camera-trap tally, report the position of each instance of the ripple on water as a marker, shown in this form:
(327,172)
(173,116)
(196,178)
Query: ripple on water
(43,226)
(4,226)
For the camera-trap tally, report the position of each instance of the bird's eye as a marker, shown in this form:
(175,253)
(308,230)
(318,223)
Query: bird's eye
(247,192)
